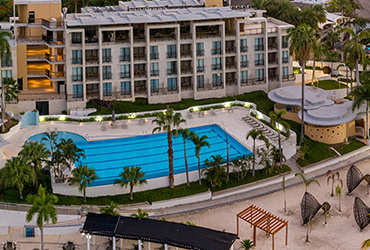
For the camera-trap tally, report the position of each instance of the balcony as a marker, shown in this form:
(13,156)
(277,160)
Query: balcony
(244,64)
(248,32)
(92,77)
(125,94)
(124,75)
(274,77)
(273,61)
(58,58)
(185,36)
(140,73)
(154,56)
(139,38)
(206,34)
(230,81)
(285,59)
(107,59)
(287,78)
(216,66)
(252,81)
(230,50)
(186,86)
(200,52)
(76,60)
(107,76)
(285,45)
(273,46)
(50,41)
(171,54)
(216,51)
(186,70)
(243,49)
(210,86)
(259,62)
(186,53)
(124,58)
(164,91)
(154,72)
(259,47)
(92,94)
(52,25)
(139,56)
(230,65)
(200,69)
(162,37)
(171,72)
(92,59)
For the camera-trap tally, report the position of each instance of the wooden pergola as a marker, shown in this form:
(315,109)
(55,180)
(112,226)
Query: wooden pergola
(264,220)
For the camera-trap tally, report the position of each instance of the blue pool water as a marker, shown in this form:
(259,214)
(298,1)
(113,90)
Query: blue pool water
(61,135)
(108,157)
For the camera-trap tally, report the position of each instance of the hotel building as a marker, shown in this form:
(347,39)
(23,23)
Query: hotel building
(164,51)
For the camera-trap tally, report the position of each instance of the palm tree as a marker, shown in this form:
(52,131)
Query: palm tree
(333,176)
(276,119)
(353,48)
(36,153)
(365,244)
(199,142)
(110,209)
(361,94)
(283,188)
(255,135)
(338,192)
(246,245)
(11,91)
(307,182)
(185,134)
(167,121)
(302,39)
(50,137)
(318,52)
(17,173)
(258,4)
(131,176)
(82,176)
(42,205)
(332,38)
(140,214)
(70,153)
(4,53)
(215,171)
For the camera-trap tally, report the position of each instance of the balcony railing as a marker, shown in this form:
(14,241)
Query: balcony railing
(124,75)
(186,69)
(244,64)
(259,62)
(210,86)
(77,78)
(186,53)
(154,72)
(200,68)
(286,78)
(154,56)
(285,59)
(272,46)
(230,81)
(76,60)
(59,58)
(273,61)
(164,91)
(243,48)
(251,31)
(171,72)
(259,47)
(107,59)
(216,51)
(252,81)
(139,73)
(216,66)
(92,59)
(285,45)
(200,52)
(230,50)
(124,58)
(139,56)
(107,76)
(274,78)
(186,86)
(171,54)
(230,65)
(92,77)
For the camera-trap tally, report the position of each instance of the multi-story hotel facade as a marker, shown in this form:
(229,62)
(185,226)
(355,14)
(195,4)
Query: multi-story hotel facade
(164,51)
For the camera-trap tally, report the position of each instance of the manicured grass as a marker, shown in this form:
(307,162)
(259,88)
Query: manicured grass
(141,104)
(329,84)
(11,195)
(345,148)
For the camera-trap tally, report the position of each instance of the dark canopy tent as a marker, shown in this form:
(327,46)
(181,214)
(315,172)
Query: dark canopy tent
(355,177)
(310,206)
(162,232)
(361,213)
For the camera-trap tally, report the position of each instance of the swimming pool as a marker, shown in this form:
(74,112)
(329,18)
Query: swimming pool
(60,135)
(108,157)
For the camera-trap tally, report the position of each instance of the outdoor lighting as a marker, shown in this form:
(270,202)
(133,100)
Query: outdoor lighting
(246,105)
(195,109)
(62,118)
(88,236)
(98,118)
(227,104)
(132,116)
(259,115)
(83,234)
(41,118)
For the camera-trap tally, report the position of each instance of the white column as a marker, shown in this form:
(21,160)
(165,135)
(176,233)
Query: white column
(165,247)
(114,243)
(148,247)
(88,241)
(139,245)
(121,243)
(232,247)
(93,240)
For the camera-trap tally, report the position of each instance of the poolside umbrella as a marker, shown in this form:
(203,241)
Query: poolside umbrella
(113,117)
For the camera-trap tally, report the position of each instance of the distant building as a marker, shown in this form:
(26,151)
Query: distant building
(161,50)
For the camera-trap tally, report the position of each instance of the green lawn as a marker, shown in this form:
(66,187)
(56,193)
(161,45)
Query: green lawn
(141,104)
(345,148)
(11,195)
(329,84)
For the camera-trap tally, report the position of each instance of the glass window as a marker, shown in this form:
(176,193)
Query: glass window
(154,52)
(260,74)
(285,71)
(77,91)
(107,72)
(107,88)
(259,60)
(243,45)
(154,85)
(76,37)
(258,44)
(200,49)
(154,69)
(284,42)
(171,51)
(76,56)
(107,56)
(216,48)
(6,74)
(171,68)
(200,65)
(244,76)
(216,63)
(200,81)
(172,84)
(77,74)
(125,88)
(125,71)
(125,54)
(6,60)
(285,56)
(243,61)
(217,79)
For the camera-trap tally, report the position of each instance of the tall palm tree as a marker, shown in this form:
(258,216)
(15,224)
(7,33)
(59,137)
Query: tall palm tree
(110,209)
(131,176)
(332,38)
(302,40)
(338,192)
(333,176)
(255,135)
(4,53)
(36,153)
(70,152)
(168,121)
(199,142)
(42,205)
(353,48)
(185,134)
(277,118)
(82,176)
(51,138)
(305,181)
(140,214)
(11,90)
(17,173)
(361,94)
(215,171)
(283,187)
(318,51)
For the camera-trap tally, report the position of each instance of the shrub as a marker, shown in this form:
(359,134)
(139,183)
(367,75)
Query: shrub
(326,70)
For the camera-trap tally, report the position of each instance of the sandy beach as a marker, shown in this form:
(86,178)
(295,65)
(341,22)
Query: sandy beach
(341,232)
